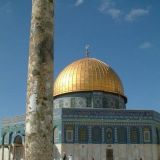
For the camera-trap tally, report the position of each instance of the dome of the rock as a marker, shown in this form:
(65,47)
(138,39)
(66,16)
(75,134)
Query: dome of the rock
(88,74)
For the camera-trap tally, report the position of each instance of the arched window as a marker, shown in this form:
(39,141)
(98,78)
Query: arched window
(96,134)
(83,134)
(134,135)
(69,133)
(146,135)
(121,135)
(18,149)
(18,140)
(109,135)
(56,135)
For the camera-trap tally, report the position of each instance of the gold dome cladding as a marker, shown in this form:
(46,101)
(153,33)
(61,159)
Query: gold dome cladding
(88,74)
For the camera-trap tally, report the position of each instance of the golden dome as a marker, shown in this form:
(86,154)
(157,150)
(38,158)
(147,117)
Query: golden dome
(88,74)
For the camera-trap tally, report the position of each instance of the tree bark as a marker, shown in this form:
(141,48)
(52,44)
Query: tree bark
(39,112)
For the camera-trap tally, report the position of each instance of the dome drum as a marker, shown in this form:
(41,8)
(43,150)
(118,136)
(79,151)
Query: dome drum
(93,99)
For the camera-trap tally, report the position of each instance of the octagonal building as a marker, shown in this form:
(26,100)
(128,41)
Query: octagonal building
(91,121)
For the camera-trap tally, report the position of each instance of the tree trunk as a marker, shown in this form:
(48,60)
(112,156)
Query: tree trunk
(39,113)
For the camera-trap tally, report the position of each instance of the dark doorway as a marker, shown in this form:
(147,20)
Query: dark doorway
(109,154)
(18,153)
(18,140)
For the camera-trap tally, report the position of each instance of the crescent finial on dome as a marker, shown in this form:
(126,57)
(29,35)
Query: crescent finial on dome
(87,52)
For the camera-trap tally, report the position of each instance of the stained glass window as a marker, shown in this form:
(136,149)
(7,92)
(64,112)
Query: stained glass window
(134,135)
(96,134)
(105,103)
(69,133)
(83,134)
(146,135)
(88,101)
(109,135)
(121,135)
(117,104)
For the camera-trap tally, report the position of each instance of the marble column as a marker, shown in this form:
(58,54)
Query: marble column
(9,152)
(2,152)
(14,152)
(39,112)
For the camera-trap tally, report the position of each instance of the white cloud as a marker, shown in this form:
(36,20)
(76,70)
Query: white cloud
(79,2)
(106,4)
(145,45)
(114,13)
(136,13)
(109,7)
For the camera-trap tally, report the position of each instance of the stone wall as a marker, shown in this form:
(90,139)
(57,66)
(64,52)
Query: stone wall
(120,151)
(98,151)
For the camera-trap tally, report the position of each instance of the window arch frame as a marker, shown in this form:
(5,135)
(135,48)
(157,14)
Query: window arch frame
(134,130)
(96,137)
(84,137)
